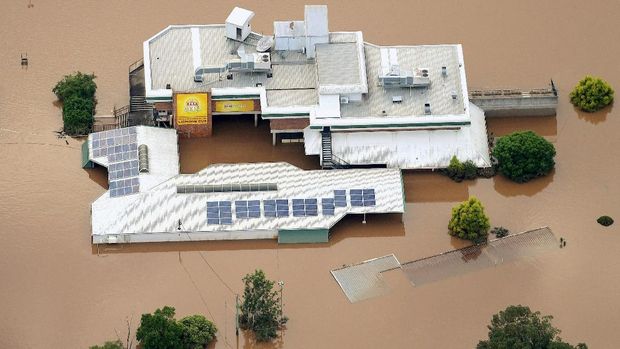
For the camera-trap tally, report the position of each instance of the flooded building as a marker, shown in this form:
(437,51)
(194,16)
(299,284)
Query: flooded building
(353,102)
(149,201)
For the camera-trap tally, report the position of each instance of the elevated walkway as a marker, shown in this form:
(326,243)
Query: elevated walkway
(516,102)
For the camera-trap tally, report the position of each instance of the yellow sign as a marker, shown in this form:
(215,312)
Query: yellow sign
(192,108)
(238,106)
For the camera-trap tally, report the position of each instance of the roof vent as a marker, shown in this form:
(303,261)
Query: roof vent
(444,71)
(143,157)
(427,108)
(454,95)
(397,99)
(344,100)
(229,76)
(168,87)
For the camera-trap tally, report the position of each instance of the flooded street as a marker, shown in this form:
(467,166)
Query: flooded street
(58,291)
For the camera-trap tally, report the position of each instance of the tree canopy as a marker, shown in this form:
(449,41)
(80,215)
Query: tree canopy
(77,94)
(261,311)
(469,221)
(160,330)
(517,327)
(523,156)
(592,94)
(197,331)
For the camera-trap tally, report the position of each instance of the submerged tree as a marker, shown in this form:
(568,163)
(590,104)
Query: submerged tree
(523,156)
(469,221)
(160,330)
(261,310)
(517,327)
(109,345)
(77,94)
(197,331)
(592,94)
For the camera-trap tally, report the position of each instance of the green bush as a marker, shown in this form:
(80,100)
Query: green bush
(592,94)
(500,232)
(197,331)
(469,221)
(77,115)
(77,94)
(523,156)
(605,221)
(109,345)
(458,171)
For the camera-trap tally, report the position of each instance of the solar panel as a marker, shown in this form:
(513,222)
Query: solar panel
(340,198)
(362,197)
(219,212)
(328,206)
(305,207)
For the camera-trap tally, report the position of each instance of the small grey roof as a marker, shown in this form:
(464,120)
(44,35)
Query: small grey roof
(315,17)
(239,16)
(284,98)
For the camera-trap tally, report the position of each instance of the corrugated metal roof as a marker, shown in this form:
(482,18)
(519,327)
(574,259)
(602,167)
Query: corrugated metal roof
(338,64)
(160,209)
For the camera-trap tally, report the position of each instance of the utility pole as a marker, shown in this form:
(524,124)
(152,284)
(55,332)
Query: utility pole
(237,315)
(281,284)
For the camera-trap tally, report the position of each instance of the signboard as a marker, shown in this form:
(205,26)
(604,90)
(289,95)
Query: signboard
(192,108)
(234,106)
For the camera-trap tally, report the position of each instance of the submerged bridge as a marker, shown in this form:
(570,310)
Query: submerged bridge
(516,102)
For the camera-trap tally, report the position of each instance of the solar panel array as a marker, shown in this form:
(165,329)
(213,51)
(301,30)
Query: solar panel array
(276,208)
(305,208)
(247,209)
(362,197)
(219,212)
(121,149)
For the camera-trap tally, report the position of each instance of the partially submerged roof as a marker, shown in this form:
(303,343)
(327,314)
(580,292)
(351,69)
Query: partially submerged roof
(180,205)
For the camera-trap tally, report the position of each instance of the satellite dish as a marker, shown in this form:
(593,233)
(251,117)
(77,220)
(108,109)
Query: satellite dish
(264,44)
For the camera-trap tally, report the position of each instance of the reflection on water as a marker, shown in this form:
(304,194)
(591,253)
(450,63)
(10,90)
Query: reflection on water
(54,281)
(596,117)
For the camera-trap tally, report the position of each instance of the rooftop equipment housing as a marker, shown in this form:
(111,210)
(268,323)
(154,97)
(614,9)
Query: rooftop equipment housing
(317,30)
(247,63)
(238,24)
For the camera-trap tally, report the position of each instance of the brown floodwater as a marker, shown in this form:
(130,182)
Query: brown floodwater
(57,291)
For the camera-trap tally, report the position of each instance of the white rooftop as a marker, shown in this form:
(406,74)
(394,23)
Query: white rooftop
(239,16)
(154,215)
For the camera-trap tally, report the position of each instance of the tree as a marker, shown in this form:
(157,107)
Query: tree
(77,94)
(523,156)
(261,310)
(109,345)
(78,84)
(469,221)
(517,327)
(458,170)
(197,331)
(592,94)
(160,330)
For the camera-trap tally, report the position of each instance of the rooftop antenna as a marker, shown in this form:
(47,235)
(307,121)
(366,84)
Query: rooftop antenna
(24,60)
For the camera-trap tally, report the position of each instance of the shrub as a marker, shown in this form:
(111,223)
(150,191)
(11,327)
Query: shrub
(592,94)
(261,311)
(523,156)
(197,331)
(458,170)
(500,232)
(605,221)
(469,221)
(77,115)
(77,94)
(109,345)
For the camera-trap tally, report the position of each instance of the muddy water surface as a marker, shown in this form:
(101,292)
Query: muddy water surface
(57,291)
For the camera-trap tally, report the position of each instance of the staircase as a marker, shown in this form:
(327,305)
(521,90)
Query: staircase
(138,103)
(330,161)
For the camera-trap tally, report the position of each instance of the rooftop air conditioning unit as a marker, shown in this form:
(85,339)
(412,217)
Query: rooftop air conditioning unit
(427,108)
(397,99)
(421,77)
